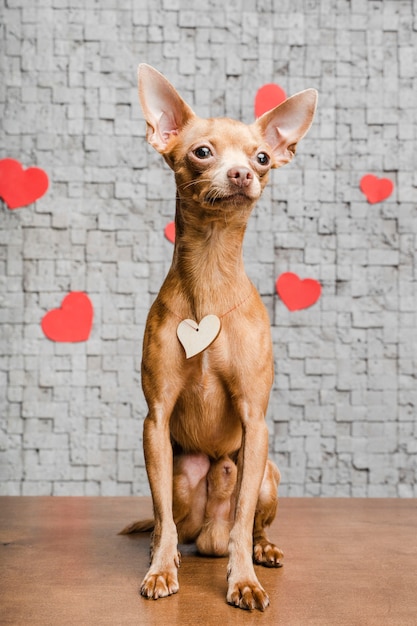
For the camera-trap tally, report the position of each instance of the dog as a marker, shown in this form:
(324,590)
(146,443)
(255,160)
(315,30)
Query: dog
(207,366)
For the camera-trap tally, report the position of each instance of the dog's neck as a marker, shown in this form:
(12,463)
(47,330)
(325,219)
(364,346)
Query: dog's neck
(208,258)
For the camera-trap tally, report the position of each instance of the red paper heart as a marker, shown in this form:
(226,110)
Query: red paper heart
(72,322)
(170,232)
(268,97)
(297,294)
(376,189)
(19,187)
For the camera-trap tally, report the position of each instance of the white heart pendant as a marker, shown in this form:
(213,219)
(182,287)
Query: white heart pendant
(197,337)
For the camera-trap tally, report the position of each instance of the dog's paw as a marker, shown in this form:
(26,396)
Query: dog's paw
(159,585)
(267,554)
(247,595)
(162,578)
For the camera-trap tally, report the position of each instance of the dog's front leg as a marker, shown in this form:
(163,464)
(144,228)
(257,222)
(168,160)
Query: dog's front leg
(162,577)
(244,589)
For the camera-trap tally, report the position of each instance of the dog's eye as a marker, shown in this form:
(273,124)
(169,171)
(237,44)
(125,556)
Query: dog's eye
(202,152)
(263,158)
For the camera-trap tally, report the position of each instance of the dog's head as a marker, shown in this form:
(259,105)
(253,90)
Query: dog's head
(219,161)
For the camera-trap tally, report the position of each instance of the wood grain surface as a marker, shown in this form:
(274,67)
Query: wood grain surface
(349,562)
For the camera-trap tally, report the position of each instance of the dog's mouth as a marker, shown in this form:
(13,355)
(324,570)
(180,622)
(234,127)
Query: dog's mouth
(214,198)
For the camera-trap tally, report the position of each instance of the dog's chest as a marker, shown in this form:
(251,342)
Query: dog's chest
(204,418)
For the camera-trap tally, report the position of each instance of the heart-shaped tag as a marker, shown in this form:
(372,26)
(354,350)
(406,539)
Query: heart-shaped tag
(197,337)
(297,294)
(72,322)
(376,189)
(19,187)
(169,232)
(268,97)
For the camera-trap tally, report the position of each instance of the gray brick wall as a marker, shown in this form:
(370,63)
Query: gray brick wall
(343,410)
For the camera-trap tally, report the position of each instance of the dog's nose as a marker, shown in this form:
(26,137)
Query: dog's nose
(240,176)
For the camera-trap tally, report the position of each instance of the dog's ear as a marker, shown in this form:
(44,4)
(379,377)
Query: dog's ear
(286,124)
(165,111)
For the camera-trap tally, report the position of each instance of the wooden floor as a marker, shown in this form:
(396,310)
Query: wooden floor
(350,562)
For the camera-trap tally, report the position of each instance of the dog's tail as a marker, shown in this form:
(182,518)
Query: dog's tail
(142,526)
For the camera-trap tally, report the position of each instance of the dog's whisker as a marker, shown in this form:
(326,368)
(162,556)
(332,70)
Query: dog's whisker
(192,183)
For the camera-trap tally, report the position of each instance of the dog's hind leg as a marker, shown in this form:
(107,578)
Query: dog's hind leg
(264,552)
(221,482)
(189,494)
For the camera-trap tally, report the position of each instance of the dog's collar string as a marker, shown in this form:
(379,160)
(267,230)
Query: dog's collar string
(236,306)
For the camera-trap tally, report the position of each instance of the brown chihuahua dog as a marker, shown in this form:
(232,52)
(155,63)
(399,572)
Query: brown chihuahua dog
(207,365)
